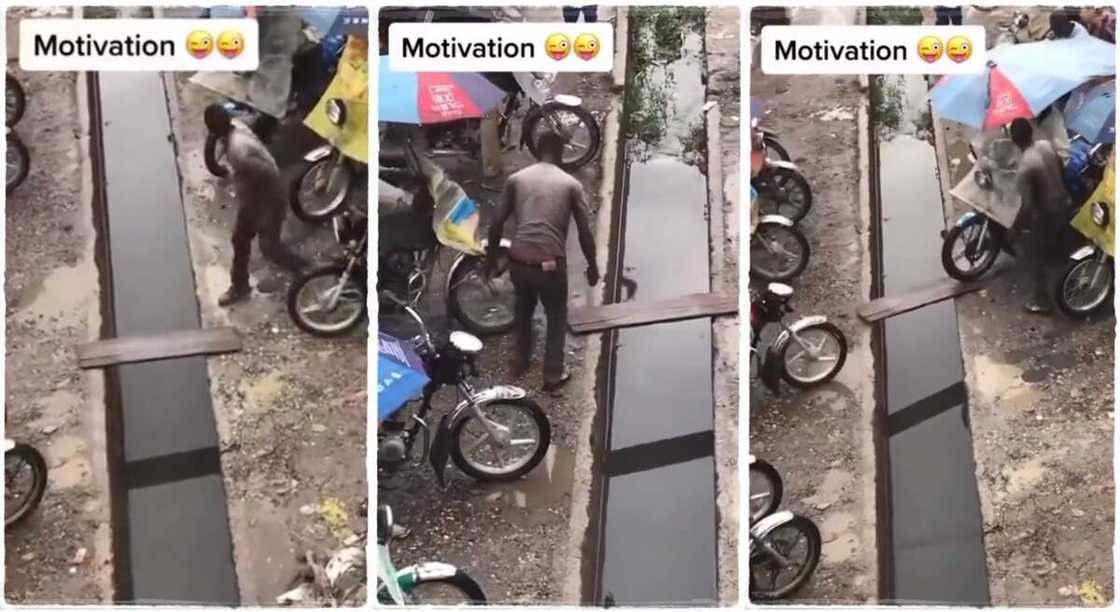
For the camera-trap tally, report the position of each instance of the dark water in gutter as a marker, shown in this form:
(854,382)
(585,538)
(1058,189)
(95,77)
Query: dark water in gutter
(936,545)
(171,538)
(658,532)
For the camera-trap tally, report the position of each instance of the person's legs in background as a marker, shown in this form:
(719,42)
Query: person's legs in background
(590,13)
(571,14)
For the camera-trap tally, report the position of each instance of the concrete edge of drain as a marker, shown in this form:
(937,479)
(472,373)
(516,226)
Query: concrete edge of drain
(569,562)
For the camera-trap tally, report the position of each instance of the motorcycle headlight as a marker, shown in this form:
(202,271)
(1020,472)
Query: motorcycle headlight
(336,111)
(1100,213)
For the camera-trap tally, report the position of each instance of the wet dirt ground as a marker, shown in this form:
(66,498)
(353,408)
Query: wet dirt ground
(61,553)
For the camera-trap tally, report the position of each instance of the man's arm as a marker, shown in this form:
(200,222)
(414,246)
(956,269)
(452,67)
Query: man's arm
(497,225)
(581,212)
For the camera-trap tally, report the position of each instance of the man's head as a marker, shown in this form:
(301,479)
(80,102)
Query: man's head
(550,146)
(1022,134)
(1060,24)
(217,119)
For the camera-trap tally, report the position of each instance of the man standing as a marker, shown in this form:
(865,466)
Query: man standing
(590,13)
(543,199)
(1043,210)
(947,15)
(262,202)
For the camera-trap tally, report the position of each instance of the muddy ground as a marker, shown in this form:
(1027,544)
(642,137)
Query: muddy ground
(61,553)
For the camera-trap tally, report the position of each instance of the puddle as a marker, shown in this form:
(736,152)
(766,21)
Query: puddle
(70,474)
(839,542)
(539,491)
(63,449)
(62,296)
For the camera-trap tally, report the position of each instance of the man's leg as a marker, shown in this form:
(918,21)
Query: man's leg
(571,13)
(554,296)
(272,248)
(1041,253)
(243,231)
(524,303)
(591,13)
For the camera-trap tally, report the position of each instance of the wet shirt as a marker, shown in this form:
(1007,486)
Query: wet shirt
(543,199)
(1043,196)
(254,169)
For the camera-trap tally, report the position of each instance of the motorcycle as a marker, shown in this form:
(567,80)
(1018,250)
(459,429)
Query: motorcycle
(319,192)
(410,585)
(765,488)
(483,431)
(783,551)
(1089,279)
(25,480)
(779,251)
(18,159)
(331,300)
(782,190)
(807,353)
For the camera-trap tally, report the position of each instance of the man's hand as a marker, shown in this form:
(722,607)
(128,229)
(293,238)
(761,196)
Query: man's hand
(592,275)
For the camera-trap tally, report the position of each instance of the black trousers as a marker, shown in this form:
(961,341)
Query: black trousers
(265,224)
(948,15)
(1042,248)
(590,13)
(531,285)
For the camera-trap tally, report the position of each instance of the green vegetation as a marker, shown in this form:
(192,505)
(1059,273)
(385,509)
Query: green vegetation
(894,15)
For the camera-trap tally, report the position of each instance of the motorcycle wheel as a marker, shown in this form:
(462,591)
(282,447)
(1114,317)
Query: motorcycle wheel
(311,202)
(458,589)
(961,243)
(548,117)
(308,292)
(17,163)
(792,352)
(468,427)
(15,101)
(772,144)
(787,194)
(484,308)
(1085,288)
(786,246)
(20,507)
(210,155)
(798,529)
(769,494)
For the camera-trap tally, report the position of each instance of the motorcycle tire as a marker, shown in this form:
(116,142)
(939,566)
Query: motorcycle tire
(832,331)
(540,112)
(33,458)
(762,231)
(19,101)
(316,216)
(23,168)
(991,252)
(772,144)
(543,426)
(1099,304)
(794,211)
(459,581)
(309,326)
(210,155)
(770,475)
(456,301)
(813,538)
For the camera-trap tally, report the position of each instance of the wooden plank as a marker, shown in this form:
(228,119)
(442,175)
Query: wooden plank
(631,314)
(134,349)
(889,306)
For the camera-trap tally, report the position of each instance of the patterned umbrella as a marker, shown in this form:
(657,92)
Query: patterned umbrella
(433,97)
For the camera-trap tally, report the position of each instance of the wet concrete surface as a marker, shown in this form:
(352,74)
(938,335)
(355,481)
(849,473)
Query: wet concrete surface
(936,546)
(176,514)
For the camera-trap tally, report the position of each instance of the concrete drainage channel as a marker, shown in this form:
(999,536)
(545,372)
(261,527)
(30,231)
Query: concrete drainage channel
(171,537)
(931,530)
(654,518)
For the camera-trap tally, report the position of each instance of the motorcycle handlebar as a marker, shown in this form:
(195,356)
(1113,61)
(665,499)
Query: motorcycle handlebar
(412,313)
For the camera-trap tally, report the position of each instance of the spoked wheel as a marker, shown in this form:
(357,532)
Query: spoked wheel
(327,302)
(18,163)
(482,304)
(785,192)
(778,253)
(819,360)
(1086,287)
(796,550)
(524,434)
(766,489)
(457,590)
(321,190)
(574,123)
(970,250)
(15,101)
(25,481)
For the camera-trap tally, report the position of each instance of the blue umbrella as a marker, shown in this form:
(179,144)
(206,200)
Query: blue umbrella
(400,374)
(1091,112)
(1022,80)
(422,98)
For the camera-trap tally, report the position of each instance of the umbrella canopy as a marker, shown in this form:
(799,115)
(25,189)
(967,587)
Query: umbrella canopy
(1091,112)
(433,97)
(400,374)
(1022,80)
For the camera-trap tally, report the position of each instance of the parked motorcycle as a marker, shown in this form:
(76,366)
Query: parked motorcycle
(495,434)
(779,251)
(783,551)
(18,159)
(25,480)
(320,191)
(765,488)
(331,300)
(782,190)
(428,584)
(1088,281)
(809,352)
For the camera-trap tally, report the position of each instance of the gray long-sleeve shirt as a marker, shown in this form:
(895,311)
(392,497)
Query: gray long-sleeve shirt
(1043,197)
(543,199)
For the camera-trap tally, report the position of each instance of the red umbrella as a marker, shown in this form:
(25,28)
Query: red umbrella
(1005,101)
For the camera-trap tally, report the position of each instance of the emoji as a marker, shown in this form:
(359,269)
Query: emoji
(587,45)
(199,44)
(231,43)
(959,49)
(557,46)
(929,48)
